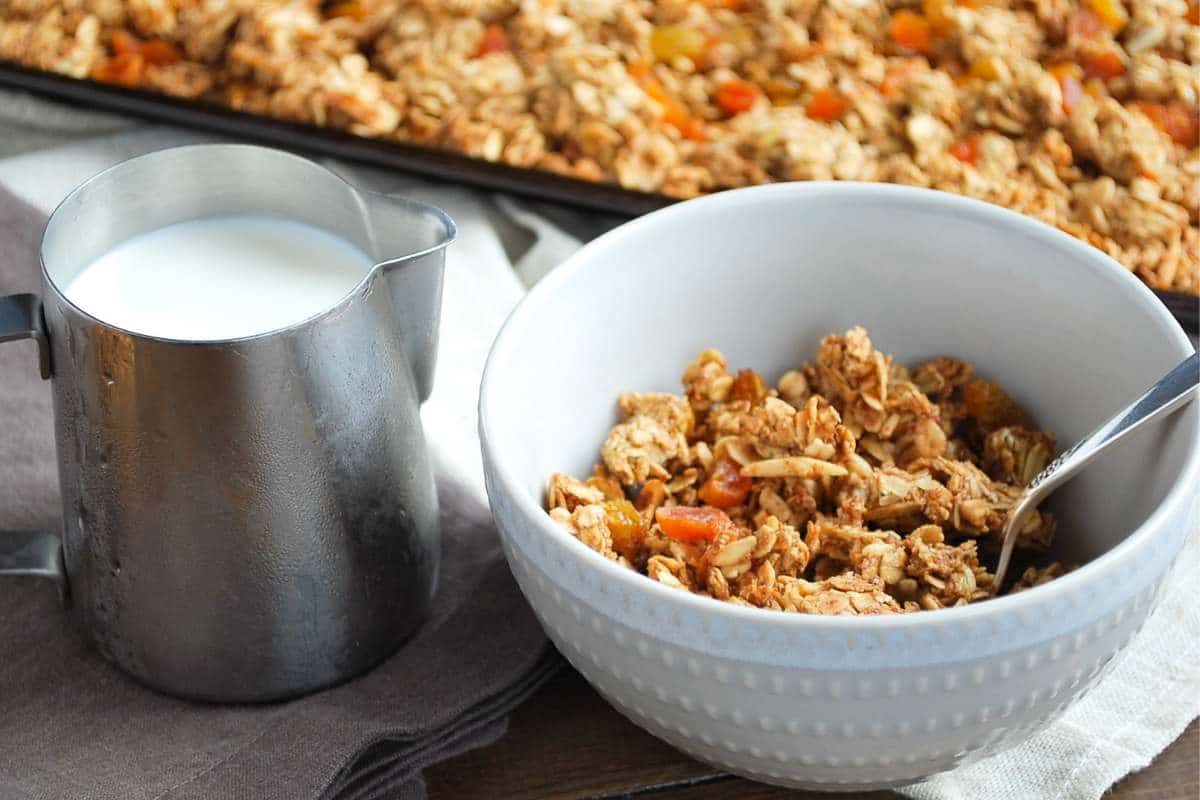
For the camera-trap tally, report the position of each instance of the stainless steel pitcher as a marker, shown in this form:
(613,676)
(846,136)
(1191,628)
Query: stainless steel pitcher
(250,519)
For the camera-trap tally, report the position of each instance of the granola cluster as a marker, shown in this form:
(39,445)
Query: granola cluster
(1081,113)
(855,486)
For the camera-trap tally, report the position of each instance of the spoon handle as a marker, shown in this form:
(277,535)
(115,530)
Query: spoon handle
(1172,391)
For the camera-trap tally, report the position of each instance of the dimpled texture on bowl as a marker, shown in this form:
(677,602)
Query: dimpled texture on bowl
(820,702)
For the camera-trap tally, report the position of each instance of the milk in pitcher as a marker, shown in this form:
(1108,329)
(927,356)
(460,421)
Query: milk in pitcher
(219,278)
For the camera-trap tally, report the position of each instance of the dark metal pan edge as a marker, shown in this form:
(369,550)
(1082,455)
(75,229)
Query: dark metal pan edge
(429,162)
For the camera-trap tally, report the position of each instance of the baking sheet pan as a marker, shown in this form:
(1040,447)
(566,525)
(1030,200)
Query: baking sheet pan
(423,161)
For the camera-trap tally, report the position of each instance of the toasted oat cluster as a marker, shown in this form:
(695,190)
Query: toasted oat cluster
(855,486)
(1081,113)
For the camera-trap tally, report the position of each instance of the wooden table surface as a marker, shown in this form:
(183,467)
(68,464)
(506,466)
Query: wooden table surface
(566,743)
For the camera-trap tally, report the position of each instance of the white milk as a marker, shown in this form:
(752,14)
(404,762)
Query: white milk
(219,278)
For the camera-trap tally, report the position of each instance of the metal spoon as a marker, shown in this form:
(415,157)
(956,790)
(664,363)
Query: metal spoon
(1173,391)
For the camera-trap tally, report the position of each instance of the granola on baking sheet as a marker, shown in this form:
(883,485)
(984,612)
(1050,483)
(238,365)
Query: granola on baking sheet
(1081,113)
(855,486)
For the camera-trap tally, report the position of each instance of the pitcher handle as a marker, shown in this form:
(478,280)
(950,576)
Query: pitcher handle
(21,318)
(28,552)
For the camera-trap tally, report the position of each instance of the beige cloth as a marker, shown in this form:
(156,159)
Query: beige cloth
(1140,707)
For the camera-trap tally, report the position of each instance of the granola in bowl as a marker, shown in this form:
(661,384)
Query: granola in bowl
(1080,114)
(854,486)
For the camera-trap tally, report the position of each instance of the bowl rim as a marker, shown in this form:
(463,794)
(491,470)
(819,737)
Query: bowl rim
(502,350)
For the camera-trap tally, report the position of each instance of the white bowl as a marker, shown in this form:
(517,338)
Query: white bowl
(762,274)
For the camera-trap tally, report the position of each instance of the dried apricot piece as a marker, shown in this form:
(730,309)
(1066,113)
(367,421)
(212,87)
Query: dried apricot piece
(125,43)
(1106,64)
(124,70)
(736,96)
(678,117)
(726,487)
(966,150)
(748,385)
(911,31)
(640,71)
(652,495)
(689,524)
(1111,12)
(1174,120)
(160,53)
(826,105)
(626,526)
(675,113)
(494,40)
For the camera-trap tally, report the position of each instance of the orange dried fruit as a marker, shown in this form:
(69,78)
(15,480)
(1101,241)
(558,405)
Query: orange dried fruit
(966,150)
(826,105)
(726,487)
(1106,64)
(494,40)
(736,96)
(652,495)
(627,527)
(690,525)
(675,113)
(1111,12)
(1173,119)
(748,385)
(679,118)
(911,31)
(123,70)
(160,53)
(125,43)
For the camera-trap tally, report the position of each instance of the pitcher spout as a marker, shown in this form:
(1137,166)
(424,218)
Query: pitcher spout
(410,238)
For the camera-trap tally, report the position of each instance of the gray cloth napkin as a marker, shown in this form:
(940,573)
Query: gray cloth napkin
(71,726)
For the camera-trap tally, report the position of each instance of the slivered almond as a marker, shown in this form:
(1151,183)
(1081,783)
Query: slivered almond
(734,552)
(793,467)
